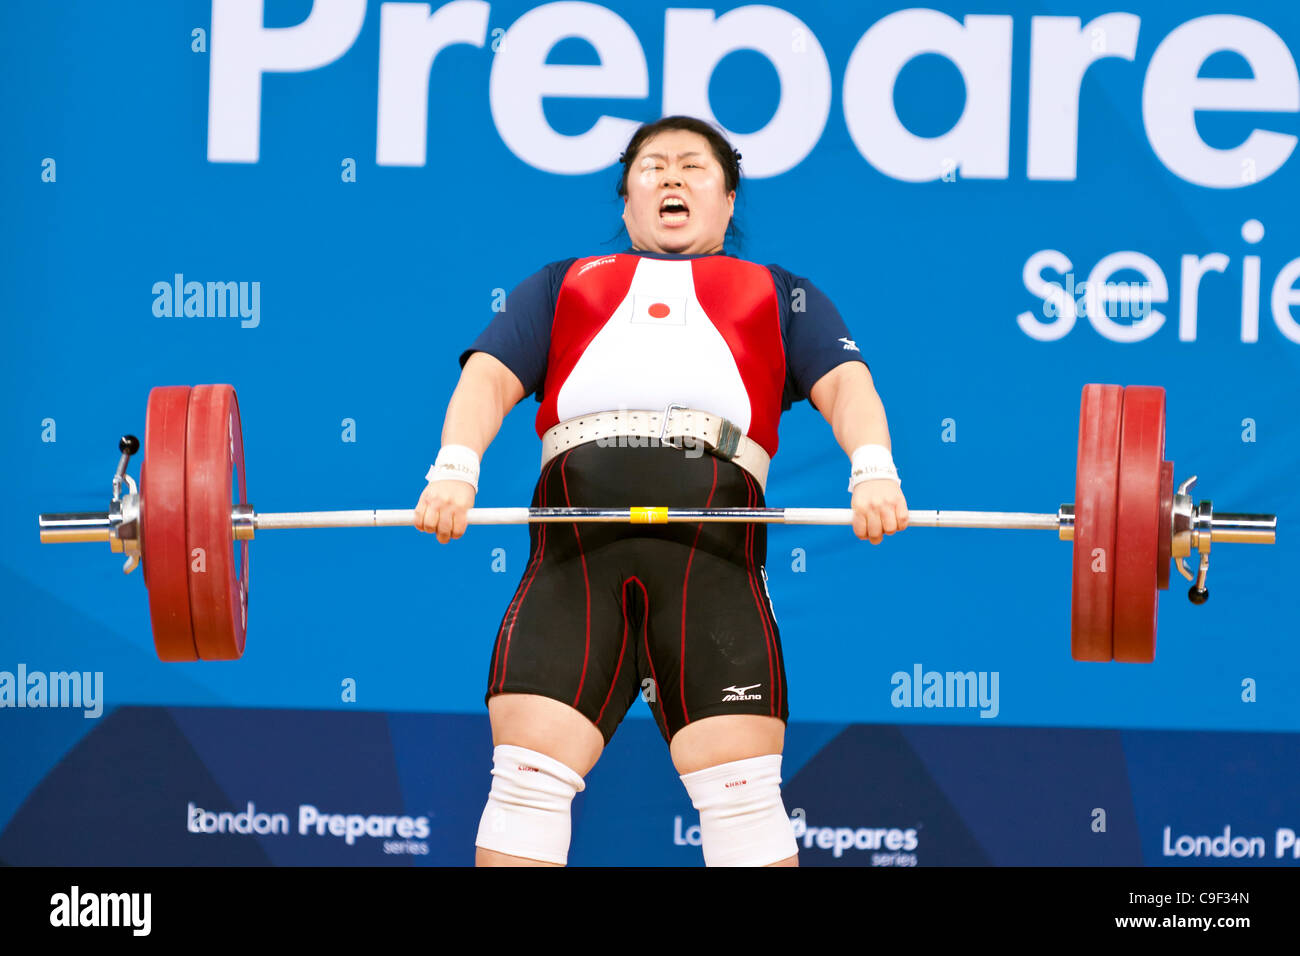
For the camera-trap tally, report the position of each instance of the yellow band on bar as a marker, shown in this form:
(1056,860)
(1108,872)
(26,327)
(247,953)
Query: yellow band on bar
(649,515)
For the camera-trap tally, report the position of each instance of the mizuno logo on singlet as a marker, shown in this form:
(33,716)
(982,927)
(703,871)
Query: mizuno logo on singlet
(598,262)
(848,343)
(738,693)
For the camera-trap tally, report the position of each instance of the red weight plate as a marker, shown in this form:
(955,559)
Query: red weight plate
(1166,519)
(1095,490)
(1137,528)
(162,522)
(214,481)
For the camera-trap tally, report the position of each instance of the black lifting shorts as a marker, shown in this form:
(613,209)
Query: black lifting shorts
(677,613)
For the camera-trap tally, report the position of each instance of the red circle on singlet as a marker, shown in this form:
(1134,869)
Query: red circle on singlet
(659,311)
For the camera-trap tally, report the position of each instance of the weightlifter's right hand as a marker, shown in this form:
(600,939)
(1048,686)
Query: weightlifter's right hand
(442,508)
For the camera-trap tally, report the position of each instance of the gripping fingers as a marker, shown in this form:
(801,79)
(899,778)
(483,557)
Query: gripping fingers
(446,520)
(430,520)
(443,509)
(877,513)
(451,523)
(866,525)
(426,513)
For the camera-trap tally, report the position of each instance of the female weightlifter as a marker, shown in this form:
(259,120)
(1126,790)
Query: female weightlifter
(673,338)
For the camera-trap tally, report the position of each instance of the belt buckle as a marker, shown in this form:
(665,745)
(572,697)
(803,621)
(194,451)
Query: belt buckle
(663,429)
(729,435)
(728,440)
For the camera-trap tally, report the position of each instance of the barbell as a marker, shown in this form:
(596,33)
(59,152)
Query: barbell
(190,523)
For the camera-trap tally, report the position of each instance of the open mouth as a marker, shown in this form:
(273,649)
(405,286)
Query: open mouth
(673,212)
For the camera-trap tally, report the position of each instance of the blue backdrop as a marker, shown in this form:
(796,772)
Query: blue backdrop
(932,198)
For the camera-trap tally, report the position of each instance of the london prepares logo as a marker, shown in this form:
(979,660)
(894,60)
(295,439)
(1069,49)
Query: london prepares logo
(888,846)
(401,834)
(1167,89)
(1230,845)
(1168,92)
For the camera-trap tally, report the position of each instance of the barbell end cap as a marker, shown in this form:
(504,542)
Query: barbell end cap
(1065,522)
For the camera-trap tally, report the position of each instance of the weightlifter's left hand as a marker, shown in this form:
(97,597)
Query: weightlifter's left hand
(879,508)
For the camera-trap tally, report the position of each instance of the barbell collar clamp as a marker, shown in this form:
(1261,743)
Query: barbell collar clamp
(127,445)
(243,522)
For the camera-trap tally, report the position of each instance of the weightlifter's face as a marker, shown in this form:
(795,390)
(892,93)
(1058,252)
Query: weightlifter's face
(677,162)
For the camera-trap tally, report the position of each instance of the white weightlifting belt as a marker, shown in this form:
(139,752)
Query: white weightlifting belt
(720,437)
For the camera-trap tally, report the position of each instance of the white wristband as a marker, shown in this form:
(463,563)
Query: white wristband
(869,462)
(455,462)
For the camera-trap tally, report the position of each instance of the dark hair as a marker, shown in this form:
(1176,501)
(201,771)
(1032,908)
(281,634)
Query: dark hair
(727,157)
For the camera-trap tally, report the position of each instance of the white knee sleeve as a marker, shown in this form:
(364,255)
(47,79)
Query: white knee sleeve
(742,818)
(527,812)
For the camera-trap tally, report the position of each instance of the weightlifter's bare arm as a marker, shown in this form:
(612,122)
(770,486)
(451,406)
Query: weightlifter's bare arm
(847,399)
(483,396)
(486,392)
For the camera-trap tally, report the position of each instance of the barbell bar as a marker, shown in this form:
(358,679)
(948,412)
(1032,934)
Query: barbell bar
(1127,522)
(84,527)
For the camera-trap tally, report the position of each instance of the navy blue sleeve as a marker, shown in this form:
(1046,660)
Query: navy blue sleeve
(520,334)
(814,333)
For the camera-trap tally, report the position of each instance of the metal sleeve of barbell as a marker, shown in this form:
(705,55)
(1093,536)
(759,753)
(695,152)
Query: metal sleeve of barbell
(74,527)
(1230,527)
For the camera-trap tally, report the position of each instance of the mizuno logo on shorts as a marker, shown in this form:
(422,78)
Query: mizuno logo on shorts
(738,693)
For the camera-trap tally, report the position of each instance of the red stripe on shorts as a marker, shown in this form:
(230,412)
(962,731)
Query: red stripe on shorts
(586,583)
(749,572)
(681,673)
(512,613)
(619,666)
(663,712)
